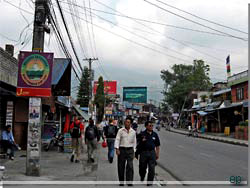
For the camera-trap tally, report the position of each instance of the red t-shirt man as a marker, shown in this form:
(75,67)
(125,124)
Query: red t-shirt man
(76,135)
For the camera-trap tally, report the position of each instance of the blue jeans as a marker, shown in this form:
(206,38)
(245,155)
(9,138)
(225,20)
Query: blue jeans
(111,148)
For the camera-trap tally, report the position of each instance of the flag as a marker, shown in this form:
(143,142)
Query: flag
(228,66)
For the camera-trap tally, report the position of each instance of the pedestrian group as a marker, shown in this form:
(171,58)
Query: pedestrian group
(126,142)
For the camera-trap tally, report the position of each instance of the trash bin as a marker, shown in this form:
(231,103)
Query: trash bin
(227,131)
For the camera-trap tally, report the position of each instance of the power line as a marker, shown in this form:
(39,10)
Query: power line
(195,21)
(153,22)
(59,37)
(76,26)
(90,42)
(171,38)
(69,36)
(201,17)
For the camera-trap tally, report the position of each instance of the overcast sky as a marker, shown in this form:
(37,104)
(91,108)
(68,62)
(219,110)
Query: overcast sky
(134,52)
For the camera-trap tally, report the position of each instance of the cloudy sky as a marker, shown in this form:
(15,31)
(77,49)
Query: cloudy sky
(133,51)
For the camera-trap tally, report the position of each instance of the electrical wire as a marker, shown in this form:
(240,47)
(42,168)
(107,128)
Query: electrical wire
(201,17)
(243,39)
(69,35)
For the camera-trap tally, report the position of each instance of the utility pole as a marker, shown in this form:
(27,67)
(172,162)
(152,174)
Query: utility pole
(34,125)
(90,60)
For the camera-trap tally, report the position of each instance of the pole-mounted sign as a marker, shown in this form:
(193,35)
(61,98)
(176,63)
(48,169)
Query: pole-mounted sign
(34,74)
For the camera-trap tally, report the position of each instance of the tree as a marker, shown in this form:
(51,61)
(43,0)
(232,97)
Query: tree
(83,89)
(100,99)
(182,80)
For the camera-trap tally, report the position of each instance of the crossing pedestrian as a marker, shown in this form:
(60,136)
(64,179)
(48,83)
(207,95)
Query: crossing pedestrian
(125,144)
(76,131)
(110,132)
(148,149)
(91,138)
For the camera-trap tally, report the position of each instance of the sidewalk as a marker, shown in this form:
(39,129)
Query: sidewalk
(214,137)
(56,166)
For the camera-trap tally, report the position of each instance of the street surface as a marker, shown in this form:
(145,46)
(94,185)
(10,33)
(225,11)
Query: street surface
(196,159)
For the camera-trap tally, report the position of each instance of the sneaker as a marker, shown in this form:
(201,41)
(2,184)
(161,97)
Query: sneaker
(11,158)
(92,160)
(77,161)
(72,158)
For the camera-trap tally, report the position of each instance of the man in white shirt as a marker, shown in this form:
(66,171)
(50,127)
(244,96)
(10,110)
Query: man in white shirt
(125,145)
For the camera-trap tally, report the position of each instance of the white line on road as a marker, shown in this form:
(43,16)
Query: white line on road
(180,146)
(206,155)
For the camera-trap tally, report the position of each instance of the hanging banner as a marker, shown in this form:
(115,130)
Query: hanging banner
(34,74)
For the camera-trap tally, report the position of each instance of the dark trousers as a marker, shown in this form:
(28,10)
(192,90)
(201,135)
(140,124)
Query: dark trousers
(111,148)
(6,144)
(147,159)
(125,159)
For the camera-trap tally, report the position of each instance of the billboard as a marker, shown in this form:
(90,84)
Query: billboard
(110,87)
(135,94)
(34,74)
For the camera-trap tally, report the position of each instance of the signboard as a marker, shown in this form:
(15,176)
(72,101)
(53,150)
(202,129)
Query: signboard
(108,110)
(135,94)
(34,74)
(9,113)
(110,87)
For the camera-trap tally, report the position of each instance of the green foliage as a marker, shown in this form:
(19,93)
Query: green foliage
(243,123)
(182,80)
(83,89)
(100,99)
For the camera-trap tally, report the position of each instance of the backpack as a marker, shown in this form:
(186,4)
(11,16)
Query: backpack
(90,132)
(111,133)
(76,132)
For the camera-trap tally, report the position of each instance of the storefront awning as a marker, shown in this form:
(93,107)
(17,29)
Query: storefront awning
(202,113)
(245,104)
(61,77)
(81,113)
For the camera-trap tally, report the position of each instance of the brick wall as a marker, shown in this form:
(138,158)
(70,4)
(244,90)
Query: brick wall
(8,68)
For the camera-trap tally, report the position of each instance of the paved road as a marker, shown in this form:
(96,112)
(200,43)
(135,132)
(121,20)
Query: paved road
(195,159)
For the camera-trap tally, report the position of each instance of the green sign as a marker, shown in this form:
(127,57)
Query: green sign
(135,94)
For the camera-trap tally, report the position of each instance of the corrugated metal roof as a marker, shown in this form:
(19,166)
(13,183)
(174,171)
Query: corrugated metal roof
(82,113)
(222,91)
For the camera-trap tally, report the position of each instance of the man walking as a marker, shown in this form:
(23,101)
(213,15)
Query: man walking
(110,133)
(91,138)
(76,131)
(125,144)
(148,148)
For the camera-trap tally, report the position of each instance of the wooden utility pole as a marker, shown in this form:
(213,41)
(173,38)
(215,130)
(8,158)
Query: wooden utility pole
(33,166)
(90,60)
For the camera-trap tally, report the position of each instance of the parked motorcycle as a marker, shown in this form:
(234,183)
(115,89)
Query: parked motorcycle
(193,132)
(56,141)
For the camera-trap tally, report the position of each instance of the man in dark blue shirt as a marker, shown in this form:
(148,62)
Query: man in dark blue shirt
(148,148)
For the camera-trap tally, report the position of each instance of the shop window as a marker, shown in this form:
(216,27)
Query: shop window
(240,93)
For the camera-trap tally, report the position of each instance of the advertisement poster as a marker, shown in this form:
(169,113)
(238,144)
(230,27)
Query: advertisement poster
(34,74)
(135,94)
(110,87)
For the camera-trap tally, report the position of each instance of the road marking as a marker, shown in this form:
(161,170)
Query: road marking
(180,146)
(204,154)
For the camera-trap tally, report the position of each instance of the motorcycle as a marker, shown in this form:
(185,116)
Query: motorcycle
(56,141)
(193,132)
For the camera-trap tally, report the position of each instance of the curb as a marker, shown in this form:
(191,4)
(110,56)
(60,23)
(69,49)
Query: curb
(215,139)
